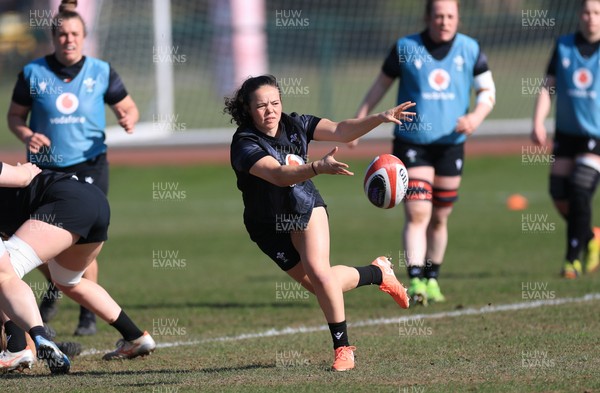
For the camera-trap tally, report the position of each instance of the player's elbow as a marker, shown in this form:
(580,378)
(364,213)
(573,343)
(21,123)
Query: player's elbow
(486,89)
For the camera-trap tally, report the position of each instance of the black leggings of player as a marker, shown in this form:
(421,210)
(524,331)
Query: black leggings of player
(579,190)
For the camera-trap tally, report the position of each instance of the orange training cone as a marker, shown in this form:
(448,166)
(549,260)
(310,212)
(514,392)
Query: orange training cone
(516,202)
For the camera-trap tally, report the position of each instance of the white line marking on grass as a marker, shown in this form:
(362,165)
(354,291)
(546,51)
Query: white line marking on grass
(376,322)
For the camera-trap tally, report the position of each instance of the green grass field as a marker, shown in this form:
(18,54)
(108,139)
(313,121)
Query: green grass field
(186,271)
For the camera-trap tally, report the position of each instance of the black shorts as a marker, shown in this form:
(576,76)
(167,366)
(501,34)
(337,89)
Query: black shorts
(278,246)
(570,146)
(94,171)
(75,207)
(276,242)
(447,160)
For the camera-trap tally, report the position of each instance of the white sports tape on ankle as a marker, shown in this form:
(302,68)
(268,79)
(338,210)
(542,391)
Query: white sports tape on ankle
(64,276)
(22,256)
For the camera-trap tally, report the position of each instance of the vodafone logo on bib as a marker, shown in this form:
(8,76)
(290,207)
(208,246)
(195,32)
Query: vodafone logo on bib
(583,78)
(67,103)
(439,79)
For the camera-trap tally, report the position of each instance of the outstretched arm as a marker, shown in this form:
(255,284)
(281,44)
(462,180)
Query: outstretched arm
(351,129)
(269,169)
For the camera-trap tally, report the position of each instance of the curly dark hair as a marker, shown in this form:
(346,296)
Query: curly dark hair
(238,106)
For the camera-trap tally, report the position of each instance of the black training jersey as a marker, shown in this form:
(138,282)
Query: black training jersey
(17,204)
(264,202)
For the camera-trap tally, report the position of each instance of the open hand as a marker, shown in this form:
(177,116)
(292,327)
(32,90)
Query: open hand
(331,166)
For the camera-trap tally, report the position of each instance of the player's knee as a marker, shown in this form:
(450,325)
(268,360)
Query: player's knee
(321,277)
(444,197)
(438,220)
(22,257)
(62,276)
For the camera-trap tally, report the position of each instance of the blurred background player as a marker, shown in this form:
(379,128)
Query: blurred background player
(284,212)
(573,74)
(51,218)
(65,94)
(437,69)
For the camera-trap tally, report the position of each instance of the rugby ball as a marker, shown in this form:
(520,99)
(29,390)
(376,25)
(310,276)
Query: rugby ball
(386,181)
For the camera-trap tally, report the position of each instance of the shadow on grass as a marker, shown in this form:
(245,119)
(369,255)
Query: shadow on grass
(474,275)
(112,373)
(220,305)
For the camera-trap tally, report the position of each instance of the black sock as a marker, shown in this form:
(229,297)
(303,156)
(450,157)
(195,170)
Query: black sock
(39,331)
(339,334)
(415,271)
(15,337)
(368,275)
(432,270)
(86,315)
(126,327)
